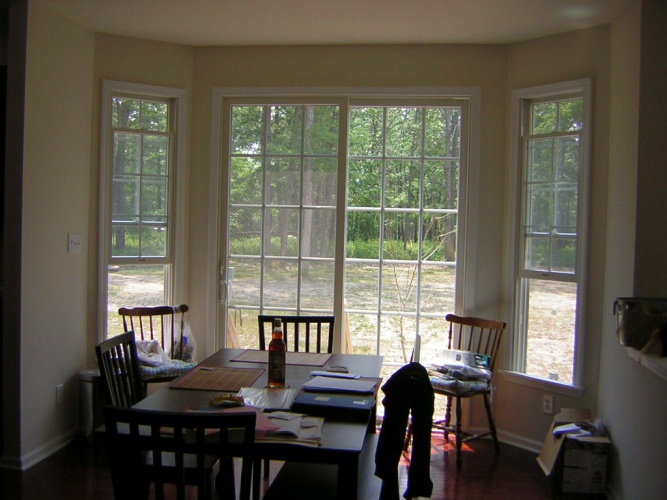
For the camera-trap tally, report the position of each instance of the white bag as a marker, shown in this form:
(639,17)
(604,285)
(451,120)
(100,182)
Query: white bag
(189,351)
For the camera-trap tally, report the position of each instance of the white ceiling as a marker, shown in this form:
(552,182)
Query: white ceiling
(308,22)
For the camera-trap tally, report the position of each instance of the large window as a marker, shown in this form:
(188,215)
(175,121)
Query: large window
(551,243)
(282,208)
(402,205)
(138,198)
(391,266)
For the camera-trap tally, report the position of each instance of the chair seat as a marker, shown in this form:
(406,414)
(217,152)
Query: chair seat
(168,371)
(451,386)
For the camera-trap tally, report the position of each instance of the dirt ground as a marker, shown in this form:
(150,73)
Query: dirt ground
(549,354)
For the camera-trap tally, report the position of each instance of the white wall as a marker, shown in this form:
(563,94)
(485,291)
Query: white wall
(363,66)
(568,56)
(56,192)
(632,400)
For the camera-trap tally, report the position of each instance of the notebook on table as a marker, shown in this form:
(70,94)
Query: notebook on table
(337,406)
(341,385)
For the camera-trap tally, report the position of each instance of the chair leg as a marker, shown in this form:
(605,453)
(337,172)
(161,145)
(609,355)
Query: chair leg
(256,472)
(408,436)
(459,438)
(267,468)
(492,425)
(226,479)
(448,417)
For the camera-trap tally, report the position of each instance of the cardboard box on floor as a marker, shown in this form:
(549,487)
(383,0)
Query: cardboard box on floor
(579,462)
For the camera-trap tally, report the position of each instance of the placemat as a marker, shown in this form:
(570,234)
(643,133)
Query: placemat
(205,378)
(293,358)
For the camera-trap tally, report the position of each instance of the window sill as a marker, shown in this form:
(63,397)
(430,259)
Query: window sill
(653,363)
(542,384)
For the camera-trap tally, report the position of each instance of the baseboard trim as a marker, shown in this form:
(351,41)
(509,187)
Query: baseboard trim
(512,440)
(520,442)
(26,461)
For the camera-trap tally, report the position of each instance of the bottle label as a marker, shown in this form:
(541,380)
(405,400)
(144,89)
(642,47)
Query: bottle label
(276,368)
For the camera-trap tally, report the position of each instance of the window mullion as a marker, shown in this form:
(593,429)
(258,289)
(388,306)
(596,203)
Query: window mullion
(266,124)
(383,183)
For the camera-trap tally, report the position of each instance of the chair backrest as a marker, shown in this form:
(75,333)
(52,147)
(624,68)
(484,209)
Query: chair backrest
(119,370)
(308,333)
(161,323)
(159,446)
(478,335)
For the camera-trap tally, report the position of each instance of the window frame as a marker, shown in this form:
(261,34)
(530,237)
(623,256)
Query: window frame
(468,190)
(462,215)
(176,254)
(521,100)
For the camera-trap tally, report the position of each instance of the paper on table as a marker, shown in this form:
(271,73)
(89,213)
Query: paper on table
(262,423)
(268,399)
(331,384)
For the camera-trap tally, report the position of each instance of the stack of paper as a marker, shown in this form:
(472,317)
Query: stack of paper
(570,430)
(292,428)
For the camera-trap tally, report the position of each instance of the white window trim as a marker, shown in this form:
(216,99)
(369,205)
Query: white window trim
(468,193)
(180,214)
(583,86)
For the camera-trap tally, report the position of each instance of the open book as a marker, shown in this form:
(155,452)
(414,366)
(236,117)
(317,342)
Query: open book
(293,428)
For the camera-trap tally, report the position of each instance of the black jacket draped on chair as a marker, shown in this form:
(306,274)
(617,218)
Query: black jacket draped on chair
(407,391)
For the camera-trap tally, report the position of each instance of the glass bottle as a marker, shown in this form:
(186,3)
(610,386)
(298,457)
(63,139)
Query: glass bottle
(277,352)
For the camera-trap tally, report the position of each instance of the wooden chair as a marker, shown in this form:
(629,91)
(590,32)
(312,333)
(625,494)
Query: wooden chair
(122,382)
(178,448)
(481,336)
(119,370)
(165,325)
(308,333)
(161,323)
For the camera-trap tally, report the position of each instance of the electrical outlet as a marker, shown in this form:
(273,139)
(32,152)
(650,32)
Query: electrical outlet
(74,243)
(548,404)
(59,394)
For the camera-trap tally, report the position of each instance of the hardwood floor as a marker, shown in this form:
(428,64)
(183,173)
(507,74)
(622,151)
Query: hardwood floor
(80,471)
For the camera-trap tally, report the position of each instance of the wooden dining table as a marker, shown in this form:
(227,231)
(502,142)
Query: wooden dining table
(342,441)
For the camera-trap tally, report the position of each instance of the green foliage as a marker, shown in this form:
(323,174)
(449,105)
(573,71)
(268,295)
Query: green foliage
(553,183)
(398,158)
(125,241)
(393,249)
(557,116)
(363,249)
(141,192)
(253,246)
(140,114)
